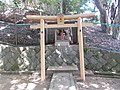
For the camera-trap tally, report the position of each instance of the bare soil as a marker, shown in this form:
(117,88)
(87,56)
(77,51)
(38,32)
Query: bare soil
(99,83)
(94,37)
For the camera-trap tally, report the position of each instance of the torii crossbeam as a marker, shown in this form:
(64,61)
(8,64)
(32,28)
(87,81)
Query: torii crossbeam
(60,19)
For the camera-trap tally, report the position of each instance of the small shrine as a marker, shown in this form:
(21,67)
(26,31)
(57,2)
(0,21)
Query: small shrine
(62,25)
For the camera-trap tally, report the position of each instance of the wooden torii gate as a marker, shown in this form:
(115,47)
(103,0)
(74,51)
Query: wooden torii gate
(60,24)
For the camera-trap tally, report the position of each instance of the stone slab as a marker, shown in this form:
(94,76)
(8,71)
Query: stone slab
(62,81)
(62,43)
(62,68)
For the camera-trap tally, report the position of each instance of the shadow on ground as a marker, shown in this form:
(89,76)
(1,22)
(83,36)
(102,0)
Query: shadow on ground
(99,83)
(23,82)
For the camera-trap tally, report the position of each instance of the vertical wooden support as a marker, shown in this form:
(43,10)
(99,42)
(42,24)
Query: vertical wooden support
(81,49)
(42,51)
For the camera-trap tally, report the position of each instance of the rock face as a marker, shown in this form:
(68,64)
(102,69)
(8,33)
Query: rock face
(28,58)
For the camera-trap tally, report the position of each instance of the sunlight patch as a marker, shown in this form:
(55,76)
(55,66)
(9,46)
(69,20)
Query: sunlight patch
(94,85)
(31,86)
(26,61)
(58,52)
(12,87)
(22,86)
(8,35)
(29,36)
(84,85)
(61,87)
(72,88)
(3,27)
(14,81)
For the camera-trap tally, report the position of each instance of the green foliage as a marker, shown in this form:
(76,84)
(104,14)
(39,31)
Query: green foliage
(90,66)
(53,6)
(15,67)
(97,54)
(16,2)
(106,1)
(77,4)
(86,50)
(2,6)
(70,6)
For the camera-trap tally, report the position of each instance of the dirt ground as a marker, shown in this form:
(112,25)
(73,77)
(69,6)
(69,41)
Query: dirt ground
(99,83)
(32,82)
(23,82)
(94,37)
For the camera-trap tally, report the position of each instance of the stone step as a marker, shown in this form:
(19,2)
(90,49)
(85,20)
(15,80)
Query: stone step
(63,81)
(62,68)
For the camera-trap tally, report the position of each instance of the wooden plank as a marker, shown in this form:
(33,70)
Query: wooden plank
(42,51)
(62,81)
(66,17)
(62,68)
(81,49)
(60,26)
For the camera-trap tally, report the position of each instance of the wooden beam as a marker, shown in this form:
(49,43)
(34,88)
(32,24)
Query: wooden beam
(42,51)
(66,17)
(54,26)
(81,49)
(60,26)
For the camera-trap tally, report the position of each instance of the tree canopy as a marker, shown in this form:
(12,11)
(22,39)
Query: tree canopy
(48,6)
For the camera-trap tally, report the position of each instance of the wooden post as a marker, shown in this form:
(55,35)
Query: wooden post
(81,49)
(42,47)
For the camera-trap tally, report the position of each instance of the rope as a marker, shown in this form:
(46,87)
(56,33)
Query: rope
(19,24)
(106,24)
(12,24)
(95,23)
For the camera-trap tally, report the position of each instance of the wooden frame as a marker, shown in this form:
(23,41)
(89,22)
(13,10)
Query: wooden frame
(61,24)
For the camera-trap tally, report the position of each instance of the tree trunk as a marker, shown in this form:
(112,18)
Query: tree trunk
(103,15)
(64,6)
(116,29)
(103,19)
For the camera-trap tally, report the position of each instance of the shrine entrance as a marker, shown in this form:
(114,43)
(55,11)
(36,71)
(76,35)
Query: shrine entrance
(61,35)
